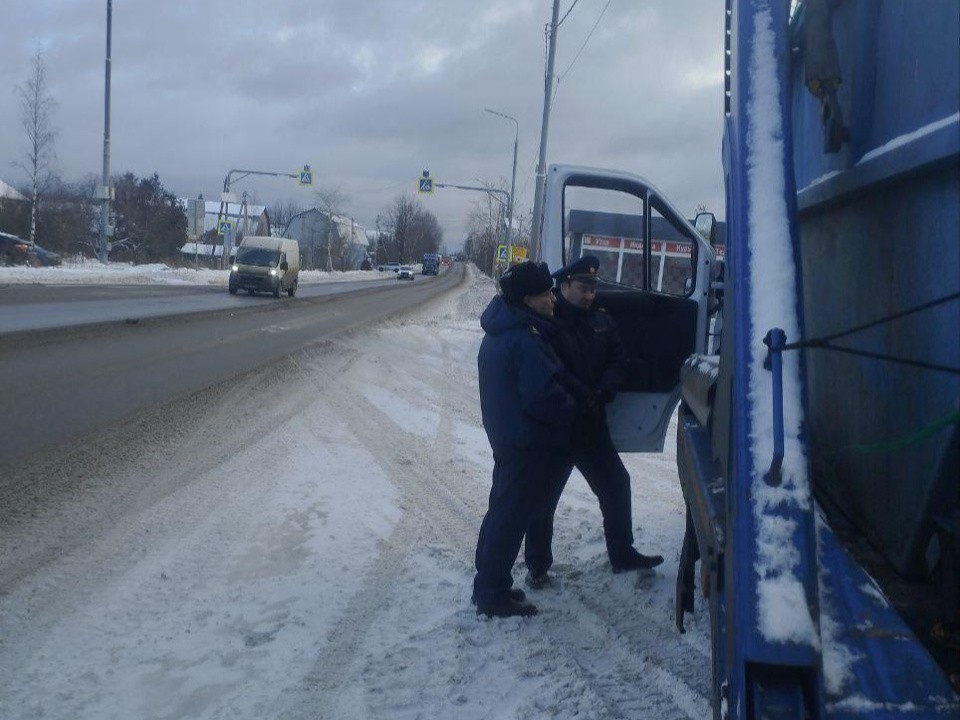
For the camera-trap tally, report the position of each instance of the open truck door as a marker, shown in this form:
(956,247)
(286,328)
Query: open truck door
(655,282)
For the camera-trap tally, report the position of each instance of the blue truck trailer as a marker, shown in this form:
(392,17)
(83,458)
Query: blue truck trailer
(817,447)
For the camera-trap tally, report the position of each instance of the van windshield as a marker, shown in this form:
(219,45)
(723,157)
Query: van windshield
(261,257)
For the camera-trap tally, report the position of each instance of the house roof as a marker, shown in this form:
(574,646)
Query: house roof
(355,233)
(8,192)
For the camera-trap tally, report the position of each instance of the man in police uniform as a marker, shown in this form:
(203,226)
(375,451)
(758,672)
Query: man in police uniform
(528,417)
(593,355)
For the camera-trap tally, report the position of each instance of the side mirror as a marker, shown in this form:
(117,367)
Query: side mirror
(706,225)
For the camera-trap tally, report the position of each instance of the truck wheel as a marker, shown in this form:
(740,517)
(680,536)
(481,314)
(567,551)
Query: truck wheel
(276,290)
(232,289)
(292,290)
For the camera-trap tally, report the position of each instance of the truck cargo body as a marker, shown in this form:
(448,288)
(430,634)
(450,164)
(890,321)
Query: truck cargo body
(879,233)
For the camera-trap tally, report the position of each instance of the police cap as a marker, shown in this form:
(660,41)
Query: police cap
(583,270)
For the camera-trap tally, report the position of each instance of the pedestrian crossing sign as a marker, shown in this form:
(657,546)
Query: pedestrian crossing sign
(224,227)
(306,177)
(501,253)
(426,185)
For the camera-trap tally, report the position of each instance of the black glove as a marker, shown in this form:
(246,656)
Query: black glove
(593,404)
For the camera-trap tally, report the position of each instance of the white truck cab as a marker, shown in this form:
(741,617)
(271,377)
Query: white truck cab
(655,282)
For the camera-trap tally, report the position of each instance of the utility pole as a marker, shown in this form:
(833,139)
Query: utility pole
(542,163)
(513,182)
(105,192)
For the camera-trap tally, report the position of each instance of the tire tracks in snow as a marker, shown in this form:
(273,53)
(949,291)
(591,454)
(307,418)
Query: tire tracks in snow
(634,662)
(432,516)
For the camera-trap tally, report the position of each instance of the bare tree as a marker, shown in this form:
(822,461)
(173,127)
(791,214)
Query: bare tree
(330,202)
(426,234)
(384,241)
(484,232)
(281,213)
(398,220)
(36,116)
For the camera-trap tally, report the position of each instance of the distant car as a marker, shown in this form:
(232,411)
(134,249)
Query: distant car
(405,273)
(46,257)
(15,250)
(388,266)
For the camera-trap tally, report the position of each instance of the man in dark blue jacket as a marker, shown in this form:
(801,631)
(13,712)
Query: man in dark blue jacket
(589,347)
(527,415)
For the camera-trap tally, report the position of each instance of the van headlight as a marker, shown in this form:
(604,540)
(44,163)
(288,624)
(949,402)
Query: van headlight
(273,272)
(235,268)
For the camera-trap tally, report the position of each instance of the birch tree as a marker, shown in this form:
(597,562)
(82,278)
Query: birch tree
(36,116)
(330,202)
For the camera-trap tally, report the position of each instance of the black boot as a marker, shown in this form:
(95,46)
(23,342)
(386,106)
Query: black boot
(635,561)
(508,608)
(515,594)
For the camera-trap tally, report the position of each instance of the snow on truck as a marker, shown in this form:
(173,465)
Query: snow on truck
(805,459)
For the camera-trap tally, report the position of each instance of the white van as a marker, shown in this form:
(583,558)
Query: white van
(266,264)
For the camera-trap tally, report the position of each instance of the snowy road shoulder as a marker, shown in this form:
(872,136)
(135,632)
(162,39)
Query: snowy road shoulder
(95,273)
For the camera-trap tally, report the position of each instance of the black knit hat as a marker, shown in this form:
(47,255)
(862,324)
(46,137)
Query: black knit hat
(527,278)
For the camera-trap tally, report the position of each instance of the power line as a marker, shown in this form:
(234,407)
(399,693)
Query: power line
(567,12)
(589,35)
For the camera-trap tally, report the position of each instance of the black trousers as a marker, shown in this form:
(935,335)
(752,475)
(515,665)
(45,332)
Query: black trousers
(522,486)
(601,466)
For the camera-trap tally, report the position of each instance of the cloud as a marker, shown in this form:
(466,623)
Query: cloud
(372,93)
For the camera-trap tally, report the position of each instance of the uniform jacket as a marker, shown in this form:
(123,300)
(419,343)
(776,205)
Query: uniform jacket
(524,407)
(589,346)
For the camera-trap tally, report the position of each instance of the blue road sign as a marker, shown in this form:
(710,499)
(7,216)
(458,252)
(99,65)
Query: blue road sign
(306,177)
(502,253)
(224,227)
(426,185)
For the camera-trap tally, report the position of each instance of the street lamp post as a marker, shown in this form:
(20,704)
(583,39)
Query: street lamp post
(105,193)
(513,181)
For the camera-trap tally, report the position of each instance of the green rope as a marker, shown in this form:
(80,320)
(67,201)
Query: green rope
(919,436)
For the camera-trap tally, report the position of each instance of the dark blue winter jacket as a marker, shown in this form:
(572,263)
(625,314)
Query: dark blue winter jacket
(523,405)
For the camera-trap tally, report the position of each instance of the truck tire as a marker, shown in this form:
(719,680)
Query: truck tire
(292,290)
(276,290)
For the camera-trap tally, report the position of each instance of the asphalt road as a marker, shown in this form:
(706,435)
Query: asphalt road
(57,385)
(37,307)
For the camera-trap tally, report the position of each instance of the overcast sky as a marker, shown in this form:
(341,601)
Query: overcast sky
(372,92)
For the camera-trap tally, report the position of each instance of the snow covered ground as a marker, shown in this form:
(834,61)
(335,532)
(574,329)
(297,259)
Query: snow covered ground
(314,559)
(126,274)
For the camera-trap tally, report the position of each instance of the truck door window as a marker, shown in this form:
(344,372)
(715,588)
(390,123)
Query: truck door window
(672,252)
(608,224)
